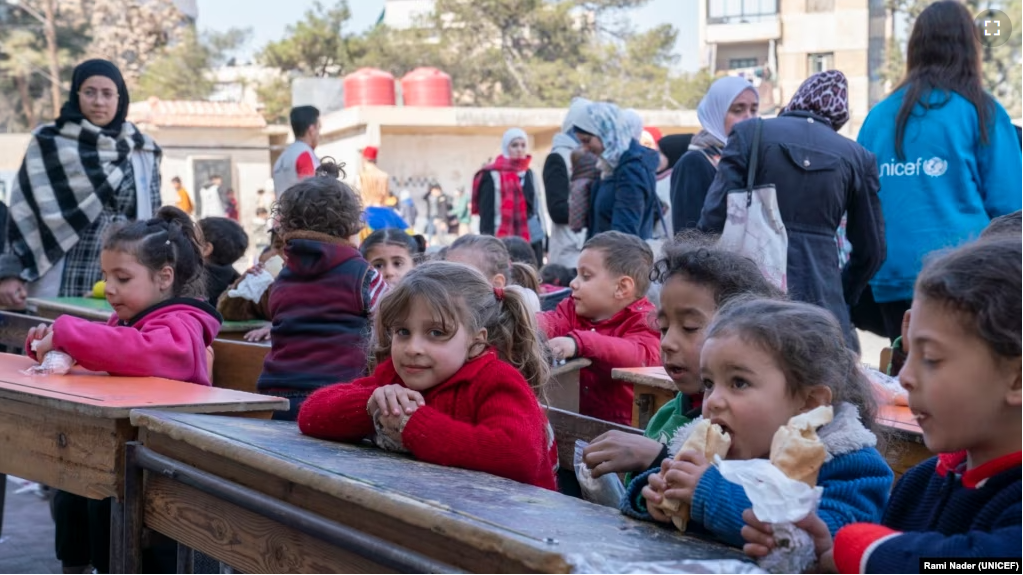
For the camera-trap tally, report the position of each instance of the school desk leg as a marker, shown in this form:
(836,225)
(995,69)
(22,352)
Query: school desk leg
(129,517)
(186,559)
(3,496)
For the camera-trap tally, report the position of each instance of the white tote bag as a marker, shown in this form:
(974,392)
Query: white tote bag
(754,227)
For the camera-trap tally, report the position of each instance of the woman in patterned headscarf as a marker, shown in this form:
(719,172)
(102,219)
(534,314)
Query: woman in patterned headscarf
(819,176)
(625,199)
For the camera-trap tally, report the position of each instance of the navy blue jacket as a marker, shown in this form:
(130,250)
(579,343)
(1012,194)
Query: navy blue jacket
(819,175)
(627,200)
(939,510)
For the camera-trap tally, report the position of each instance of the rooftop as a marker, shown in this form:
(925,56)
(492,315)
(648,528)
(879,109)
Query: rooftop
(194,114)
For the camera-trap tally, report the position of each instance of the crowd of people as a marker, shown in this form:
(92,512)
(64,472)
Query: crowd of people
(440,344)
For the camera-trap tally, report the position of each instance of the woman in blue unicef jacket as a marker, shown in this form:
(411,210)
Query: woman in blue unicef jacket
(947,154)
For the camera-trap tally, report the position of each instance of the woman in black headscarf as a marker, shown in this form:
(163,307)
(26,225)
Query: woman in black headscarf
(82,173)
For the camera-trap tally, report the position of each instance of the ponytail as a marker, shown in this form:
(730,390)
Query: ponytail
(168,239)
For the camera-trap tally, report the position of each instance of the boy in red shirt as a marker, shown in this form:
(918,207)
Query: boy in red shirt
(608,320)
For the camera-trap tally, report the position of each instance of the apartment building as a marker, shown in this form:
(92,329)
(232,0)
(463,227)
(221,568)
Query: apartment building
(779,43)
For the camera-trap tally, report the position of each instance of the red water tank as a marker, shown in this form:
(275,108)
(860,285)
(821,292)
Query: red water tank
(369,87)
(426,87)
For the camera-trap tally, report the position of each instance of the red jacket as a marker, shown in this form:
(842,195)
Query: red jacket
(484,418)
(167,340)
(628,339)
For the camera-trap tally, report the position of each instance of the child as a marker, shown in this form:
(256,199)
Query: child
(225,243)
(698,279)
(490,256)
(321,301)
(457,360)
(963,379)
(607,320)
(520,251)
(555,277)
(161,323)
(763,362)
(392,252)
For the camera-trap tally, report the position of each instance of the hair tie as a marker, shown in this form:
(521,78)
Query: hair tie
(499,293)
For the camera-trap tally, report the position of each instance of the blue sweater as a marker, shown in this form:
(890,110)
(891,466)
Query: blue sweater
(627,200)
(938,510)
(948,187)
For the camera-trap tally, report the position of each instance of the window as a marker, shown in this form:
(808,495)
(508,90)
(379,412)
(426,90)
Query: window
(820,5)
(739,63)
(820,62)
(741,11)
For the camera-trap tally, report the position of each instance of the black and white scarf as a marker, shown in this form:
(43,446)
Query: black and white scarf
(71,171)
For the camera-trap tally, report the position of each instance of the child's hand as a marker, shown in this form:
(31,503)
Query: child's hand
(394,400)
(684,475)
(259,334)
(654,494)
(616,451)
(41,333)
(760,538)
(563,347)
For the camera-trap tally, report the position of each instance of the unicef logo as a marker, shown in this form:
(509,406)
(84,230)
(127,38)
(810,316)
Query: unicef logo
(935,167)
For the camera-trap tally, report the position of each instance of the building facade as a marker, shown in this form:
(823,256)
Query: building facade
(779,43)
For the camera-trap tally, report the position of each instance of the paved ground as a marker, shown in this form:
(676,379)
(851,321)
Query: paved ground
(26,543)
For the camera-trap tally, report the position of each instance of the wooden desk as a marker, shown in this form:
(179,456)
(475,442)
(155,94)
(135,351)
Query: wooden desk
(651,388)
(563,387)
(99,310)
(904,441)
(69,431)
(261,488)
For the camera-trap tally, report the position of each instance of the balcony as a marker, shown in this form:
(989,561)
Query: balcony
(741,21)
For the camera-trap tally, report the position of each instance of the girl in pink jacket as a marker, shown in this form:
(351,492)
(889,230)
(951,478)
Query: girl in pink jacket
(161,324)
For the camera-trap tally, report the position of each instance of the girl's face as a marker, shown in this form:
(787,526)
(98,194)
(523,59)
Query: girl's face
(686,309)
(592,143)
(426,352)
(746,394)
(744,107)
(391,261)
(131,287)
(962,396)
(517,149)
(97,99)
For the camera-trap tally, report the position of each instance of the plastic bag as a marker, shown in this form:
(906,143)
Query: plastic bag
(54,363)
(887,389)
(252,286)
(781,502)
(605,490)
(600,564)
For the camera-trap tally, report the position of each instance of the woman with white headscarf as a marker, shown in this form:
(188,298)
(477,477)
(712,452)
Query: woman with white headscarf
(504,194)
(625,199)
(729,101)
(564,245)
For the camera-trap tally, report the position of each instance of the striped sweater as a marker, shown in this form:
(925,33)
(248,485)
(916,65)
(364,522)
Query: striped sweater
(319,308)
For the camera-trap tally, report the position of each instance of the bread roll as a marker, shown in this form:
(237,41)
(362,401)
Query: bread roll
(710,440)
(797,450)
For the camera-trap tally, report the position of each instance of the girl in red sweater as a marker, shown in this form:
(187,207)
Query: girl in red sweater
(461,367)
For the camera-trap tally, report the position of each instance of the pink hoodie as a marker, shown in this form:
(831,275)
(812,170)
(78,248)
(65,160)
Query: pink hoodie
(168,340)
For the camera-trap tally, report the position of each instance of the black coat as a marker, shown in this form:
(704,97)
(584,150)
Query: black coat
(690,179)
(556,183)
(489,209)
(819,176)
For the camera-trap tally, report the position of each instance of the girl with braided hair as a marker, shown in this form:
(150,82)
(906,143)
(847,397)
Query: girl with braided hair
(161,324)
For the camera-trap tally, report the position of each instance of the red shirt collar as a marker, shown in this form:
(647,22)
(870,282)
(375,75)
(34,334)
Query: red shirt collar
(972,478)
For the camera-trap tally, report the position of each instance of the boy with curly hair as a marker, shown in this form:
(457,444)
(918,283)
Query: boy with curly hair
(321,301)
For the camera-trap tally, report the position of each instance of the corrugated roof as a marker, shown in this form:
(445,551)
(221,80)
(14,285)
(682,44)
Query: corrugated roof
(195,114)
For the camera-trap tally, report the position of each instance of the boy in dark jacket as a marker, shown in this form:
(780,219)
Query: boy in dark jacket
(321,301)
(608,321)
(226,243)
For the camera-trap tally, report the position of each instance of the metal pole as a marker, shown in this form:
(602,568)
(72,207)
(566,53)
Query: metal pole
(351,540)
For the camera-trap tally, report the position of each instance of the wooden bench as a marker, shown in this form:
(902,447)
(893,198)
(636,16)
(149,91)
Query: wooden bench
(14,328)
(259,496)
(568,427)
(651,389)
(237,364)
